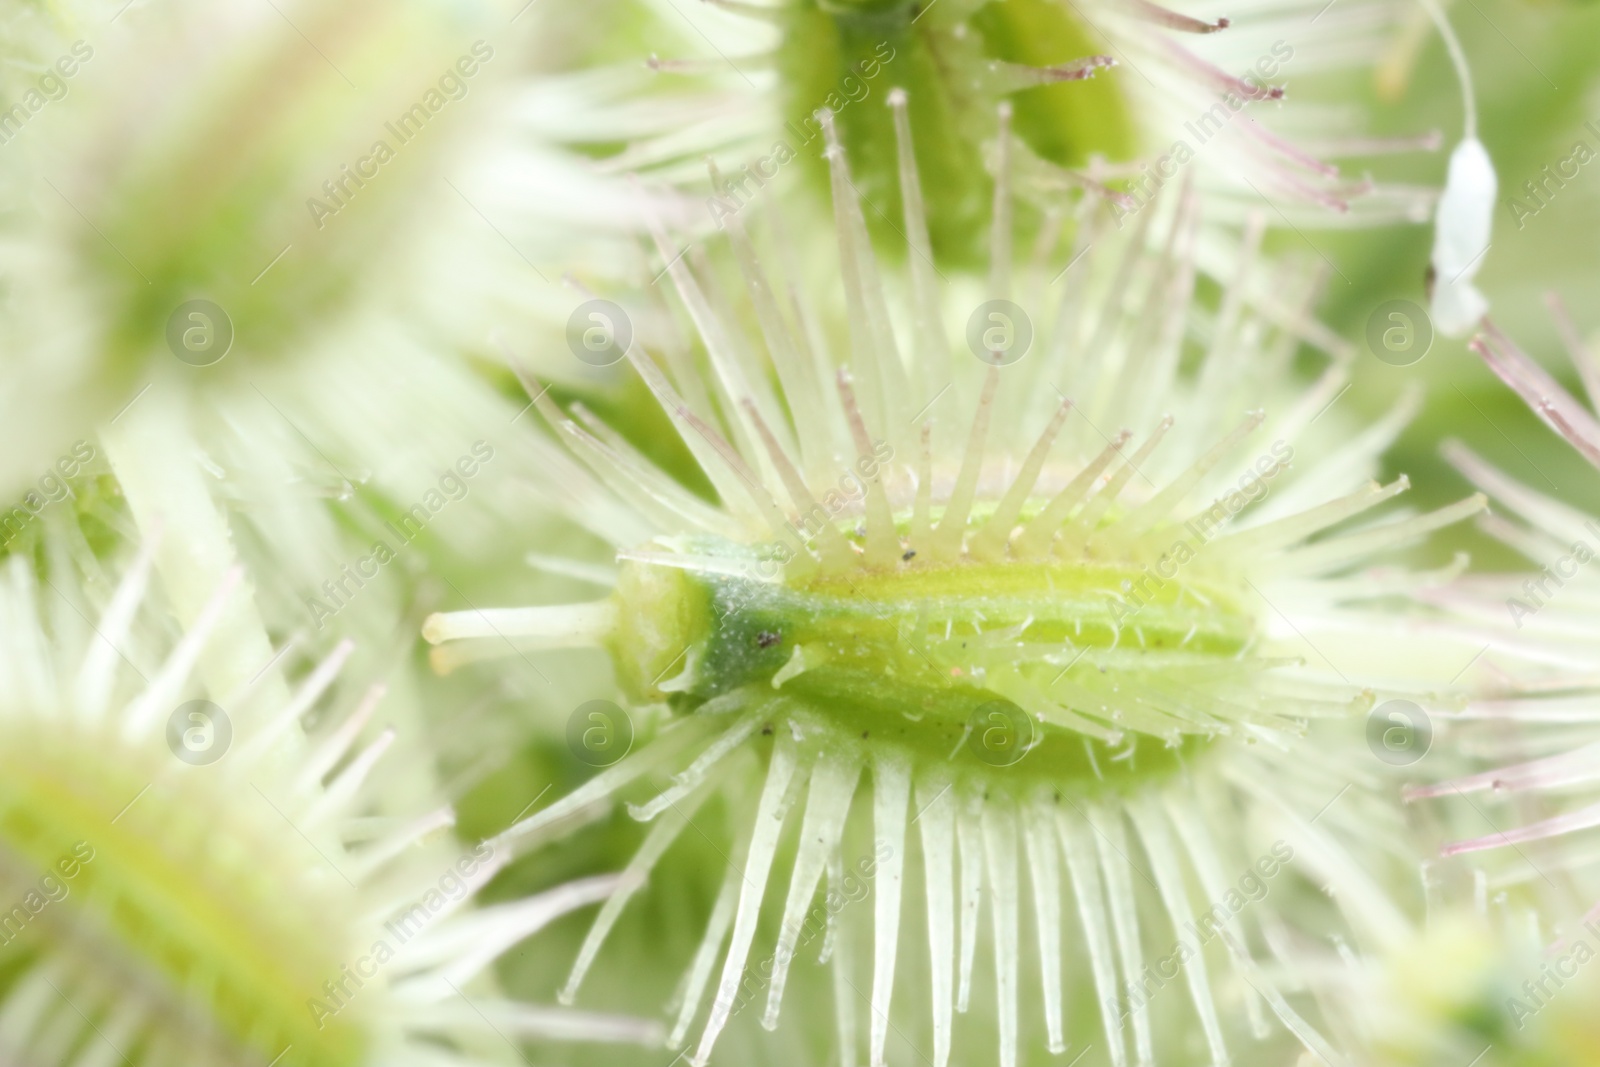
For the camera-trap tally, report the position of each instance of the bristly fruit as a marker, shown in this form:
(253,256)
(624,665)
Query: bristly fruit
(192,883)
(929,569)
(955,66)
(1111,98)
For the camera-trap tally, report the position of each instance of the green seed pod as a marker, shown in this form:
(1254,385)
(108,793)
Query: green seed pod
(211,189)
(1042,646)
(192,881)
(1114,100)
(955,64)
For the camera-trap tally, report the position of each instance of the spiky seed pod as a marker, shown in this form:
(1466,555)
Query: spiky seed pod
(213,152)
(187,882)
(1117,98)
(1048,643)
(217,152)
